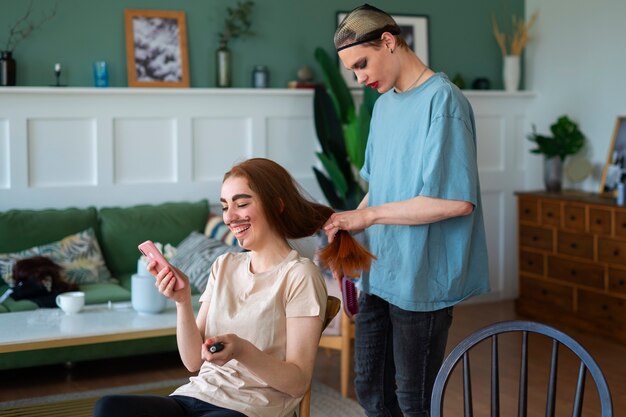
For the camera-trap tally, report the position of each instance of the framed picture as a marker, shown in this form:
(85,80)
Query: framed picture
(156,48)
(615,168)
(414,31)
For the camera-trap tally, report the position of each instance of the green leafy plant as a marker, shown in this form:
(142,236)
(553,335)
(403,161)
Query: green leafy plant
(237,22)
(342,134)
(566,139)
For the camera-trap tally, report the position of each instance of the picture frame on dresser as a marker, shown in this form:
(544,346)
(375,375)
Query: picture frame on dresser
(414,30)
(156,48)
(615,168)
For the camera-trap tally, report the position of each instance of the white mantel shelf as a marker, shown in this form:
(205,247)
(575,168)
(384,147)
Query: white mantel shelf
(68,146)
(218,91)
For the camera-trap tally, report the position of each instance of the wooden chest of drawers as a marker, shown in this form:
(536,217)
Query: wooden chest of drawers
(572,261)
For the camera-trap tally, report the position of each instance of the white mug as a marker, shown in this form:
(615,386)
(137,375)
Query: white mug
(71,302)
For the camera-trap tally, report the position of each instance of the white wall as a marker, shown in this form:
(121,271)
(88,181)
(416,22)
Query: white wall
(576,63)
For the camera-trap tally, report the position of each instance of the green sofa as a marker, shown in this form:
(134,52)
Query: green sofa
(119,230)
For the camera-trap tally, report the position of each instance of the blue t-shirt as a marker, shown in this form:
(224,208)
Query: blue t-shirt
(423,143)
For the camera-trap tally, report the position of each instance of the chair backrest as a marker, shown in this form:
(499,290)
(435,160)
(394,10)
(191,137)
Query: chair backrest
(333,304)
(461,351)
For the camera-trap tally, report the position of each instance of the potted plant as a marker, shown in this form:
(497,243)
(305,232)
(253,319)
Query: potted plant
(342,134)
(566,139)
(236,24)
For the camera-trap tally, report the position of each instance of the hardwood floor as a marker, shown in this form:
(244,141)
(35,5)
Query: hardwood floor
(26,383)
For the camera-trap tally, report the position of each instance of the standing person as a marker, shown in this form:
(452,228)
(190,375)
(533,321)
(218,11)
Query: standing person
(422,216)
(265,307)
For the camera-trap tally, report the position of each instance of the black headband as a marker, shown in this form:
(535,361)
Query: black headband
(376,34)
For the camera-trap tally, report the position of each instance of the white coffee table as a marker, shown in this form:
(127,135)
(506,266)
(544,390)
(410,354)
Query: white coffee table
(52,328)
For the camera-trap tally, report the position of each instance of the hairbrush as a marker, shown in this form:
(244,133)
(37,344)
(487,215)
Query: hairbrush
(349,298)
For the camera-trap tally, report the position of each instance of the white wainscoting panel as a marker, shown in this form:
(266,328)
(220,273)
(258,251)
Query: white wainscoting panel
(124,146)
(145,150)
(500,126)
(288,139)
(211,159)
(61,152)
(491,142)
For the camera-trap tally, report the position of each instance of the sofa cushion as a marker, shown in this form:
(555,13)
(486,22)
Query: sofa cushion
(122,229)
(195,255)
(216,229)
(103,293)
(79,255)
(23,229)
(22,305)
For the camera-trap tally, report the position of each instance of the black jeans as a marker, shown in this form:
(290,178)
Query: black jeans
(158,406)
(397,356)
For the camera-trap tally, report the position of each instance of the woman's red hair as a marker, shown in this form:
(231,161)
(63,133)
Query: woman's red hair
(294,216)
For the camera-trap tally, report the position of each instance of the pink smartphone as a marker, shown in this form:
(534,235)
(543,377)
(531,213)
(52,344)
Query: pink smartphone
(149,249)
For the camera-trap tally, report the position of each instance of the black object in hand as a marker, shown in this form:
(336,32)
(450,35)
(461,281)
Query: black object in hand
(216,347)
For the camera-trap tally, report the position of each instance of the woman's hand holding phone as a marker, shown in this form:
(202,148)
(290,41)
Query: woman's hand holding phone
(152,253)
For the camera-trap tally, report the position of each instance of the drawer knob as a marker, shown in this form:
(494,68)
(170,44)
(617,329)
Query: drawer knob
(544,292)
(573,272)
(573,245)
(549,214)
(572,218)
(621,282)
(623,225)
(598,221)
(530,263)
(616,252)
(605,307)
(526,211)
(535,238)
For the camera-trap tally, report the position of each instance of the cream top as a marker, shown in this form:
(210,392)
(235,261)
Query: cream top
(255,307)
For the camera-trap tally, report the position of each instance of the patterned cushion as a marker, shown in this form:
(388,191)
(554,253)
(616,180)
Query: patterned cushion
(195,255)
(78,254)
(217,229)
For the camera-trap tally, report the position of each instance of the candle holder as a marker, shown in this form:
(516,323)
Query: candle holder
(57,75)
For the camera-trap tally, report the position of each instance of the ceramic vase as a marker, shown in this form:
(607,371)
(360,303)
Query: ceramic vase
(7,69)
(511,72)
(223,69)
(145,297)
(553,173)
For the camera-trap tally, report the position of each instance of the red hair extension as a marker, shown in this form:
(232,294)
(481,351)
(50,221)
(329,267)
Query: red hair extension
(346,255)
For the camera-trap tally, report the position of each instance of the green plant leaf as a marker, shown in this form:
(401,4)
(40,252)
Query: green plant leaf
(334,172)
(330,132)
(567,139)
(337,87)
(328,190)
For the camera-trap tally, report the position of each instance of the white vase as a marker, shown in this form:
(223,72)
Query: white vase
(511,72)
(145,297)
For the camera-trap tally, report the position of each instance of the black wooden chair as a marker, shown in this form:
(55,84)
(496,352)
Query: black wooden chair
(462,351)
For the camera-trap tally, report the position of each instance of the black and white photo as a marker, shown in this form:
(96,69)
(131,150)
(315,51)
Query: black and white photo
(156,45)
(615,168)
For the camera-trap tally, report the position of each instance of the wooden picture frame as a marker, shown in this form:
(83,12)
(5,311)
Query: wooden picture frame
(156,48)
(615,168)
(414,31)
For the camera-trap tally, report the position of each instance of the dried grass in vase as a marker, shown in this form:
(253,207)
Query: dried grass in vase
(520,36)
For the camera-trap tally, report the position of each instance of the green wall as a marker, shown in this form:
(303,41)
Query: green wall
(287,32)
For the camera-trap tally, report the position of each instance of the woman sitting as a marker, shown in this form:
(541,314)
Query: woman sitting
(264,308)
